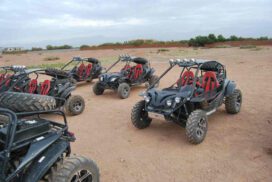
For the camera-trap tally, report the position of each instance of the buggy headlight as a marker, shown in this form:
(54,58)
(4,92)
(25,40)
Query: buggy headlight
(147,98)
(169,103)
(113,79)
(177,100)
(101,78)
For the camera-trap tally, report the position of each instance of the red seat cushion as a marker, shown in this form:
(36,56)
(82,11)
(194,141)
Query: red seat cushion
(209,81)
(32,86)
(45,87)
(88,70)
(138,70)
(81,70)
(187,78)
(126,67)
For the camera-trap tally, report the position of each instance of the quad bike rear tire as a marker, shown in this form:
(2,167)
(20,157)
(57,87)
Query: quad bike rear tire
(98,89)
(74,105)
(196,126)
(75,168)
(139,117)
(153,79)
(233,102)
(25,102)
(123,90)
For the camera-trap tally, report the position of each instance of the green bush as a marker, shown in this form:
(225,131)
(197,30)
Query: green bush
(50,47)
(36,49)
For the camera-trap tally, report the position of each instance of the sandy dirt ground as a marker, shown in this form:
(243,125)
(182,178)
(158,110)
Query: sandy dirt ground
(236,148)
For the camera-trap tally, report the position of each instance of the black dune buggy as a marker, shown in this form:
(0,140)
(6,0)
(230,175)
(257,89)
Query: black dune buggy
(201,88)
(130,75)
(6,72)
(27,91)
(33,149)
(80,69)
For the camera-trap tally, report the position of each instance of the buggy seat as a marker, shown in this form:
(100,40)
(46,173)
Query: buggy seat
(45,87)
(137,71)
(88,69)
(209,81)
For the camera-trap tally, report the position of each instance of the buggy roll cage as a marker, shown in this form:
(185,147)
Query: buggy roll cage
(80,60)
(188,64)
(11,131)
(127,59)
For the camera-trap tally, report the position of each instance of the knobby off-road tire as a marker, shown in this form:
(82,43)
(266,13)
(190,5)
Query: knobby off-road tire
(98,89)
(75,168)
(139,117)
(196,126)
(123,90)
(233,102)
(74,105)
(153,79)
(24,102)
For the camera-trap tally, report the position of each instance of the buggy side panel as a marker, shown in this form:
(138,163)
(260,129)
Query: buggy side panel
(40,166)
(229,87)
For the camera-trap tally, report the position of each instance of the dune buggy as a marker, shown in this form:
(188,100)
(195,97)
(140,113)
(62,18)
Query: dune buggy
(129,76)
(201,88)
(80,69)
(6,72)
(33,149)
(35,90)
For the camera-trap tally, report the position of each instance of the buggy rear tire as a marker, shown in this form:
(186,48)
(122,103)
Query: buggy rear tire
(123,90)
(25,102)
(75,168)
(74,105)
(196,126)
(139,117)
(98,89)
(233,102)
(153,79)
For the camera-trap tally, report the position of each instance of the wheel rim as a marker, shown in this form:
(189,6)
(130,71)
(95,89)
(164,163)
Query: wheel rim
(125,91)
(238,102)
(144,114)
(201,128)
(77,106)
(82,176)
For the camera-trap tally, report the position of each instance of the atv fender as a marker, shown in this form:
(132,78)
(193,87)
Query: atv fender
(66,92)
(229,87)
(40,166)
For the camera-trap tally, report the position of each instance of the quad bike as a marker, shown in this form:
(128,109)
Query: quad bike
(201,88)
(34,149)
(80,69)
(128,76)
(23,92)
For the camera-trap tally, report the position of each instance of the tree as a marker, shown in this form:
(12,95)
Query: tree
(233,38)
(221,38)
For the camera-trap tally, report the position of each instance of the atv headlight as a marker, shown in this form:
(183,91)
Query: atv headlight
(147,99)
(169,103)
(113,79)
(101,78)
(177,100)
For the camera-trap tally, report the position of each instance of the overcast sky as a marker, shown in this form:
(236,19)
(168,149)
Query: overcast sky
(40,22)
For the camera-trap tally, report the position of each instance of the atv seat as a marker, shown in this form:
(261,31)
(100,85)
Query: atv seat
(32,86)
(80,71)
(88,70)
(209,81)
(45,87)
(137,71)
(187,78)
